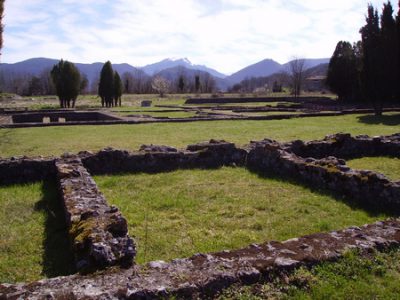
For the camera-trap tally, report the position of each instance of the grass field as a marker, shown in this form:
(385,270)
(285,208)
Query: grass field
(128,100)
(57,140)
(181,213)
(33,241)
(389,166)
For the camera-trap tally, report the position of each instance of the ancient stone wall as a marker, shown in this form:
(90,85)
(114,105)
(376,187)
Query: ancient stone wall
(98,232)
(152,159)
(204,275)
(368,188)
(54,116)
(345,146)
(23,170)
(316,100)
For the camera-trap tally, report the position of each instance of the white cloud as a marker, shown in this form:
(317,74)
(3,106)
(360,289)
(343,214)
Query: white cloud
(223,34)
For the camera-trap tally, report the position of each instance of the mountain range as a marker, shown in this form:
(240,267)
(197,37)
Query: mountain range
(169,63)
(169,68)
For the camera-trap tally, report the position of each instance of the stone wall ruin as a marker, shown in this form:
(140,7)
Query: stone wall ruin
(99,237)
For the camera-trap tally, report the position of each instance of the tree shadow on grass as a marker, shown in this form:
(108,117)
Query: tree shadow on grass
(390,120)
(354,204)
(58,259)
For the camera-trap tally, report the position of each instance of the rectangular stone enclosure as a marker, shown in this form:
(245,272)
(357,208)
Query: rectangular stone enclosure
(98,232)
(60,117)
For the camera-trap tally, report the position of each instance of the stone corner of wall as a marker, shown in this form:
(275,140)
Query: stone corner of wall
(98,232)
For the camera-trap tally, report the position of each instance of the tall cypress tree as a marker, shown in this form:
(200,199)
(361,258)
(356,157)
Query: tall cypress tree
(342,76)
(117,89)
(389,53)
(106,85)
(67,81)
(372,72)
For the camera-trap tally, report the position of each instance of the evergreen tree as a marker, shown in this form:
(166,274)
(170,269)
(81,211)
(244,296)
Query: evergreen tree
(67,80)
(106,85)
(388,53)
(342,76)
(372,71)
(118,87)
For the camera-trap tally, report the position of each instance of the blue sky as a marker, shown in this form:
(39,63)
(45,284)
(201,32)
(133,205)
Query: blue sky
(223,34)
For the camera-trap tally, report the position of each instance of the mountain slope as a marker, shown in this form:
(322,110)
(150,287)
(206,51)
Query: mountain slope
(182,62)
(35,66)
(173,74)
(263,68)
(308,63)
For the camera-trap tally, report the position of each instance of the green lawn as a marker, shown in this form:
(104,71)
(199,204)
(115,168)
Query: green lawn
(184,212)
(176,214)
(33,242)
(389,166)
(352,277)
(57,140)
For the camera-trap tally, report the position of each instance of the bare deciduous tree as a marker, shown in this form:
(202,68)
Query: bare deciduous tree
(296,73)
(160,85)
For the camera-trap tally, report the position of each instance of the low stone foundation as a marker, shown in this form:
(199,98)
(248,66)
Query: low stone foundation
(204,275)
(369,189)
(65,115)
(98,232)
(99,235)
(220,100)
(153,159)
(343,145)
(24,170)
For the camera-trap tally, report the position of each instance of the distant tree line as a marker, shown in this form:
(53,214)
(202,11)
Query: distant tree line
(293,79)
(34,85)
(137,82)
(272,83)
(369,69)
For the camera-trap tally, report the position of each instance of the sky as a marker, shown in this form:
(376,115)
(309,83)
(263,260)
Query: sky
(226,35)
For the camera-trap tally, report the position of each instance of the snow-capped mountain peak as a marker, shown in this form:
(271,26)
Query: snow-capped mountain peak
(173,62)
